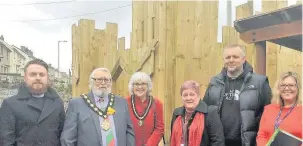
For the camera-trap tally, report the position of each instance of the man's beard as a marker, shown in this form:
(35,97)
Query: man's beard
(101,93)
(39,91)
(234,72)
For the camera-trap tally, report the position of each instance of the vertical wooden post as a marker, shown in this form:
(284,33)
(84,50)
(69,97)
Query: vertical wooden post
(261,57)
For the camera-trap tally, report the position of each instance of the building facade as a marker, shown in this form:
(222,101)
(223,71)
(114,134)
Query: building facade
(18,60)
(5,61)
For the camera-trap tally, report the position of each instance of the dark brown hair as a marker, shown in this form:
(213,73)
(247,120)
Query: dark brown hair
(38,62)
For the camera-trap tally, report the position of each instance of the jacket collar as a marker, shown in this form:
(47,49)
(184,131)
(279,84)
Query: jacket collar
(23,93)
(201,107)
(220,78)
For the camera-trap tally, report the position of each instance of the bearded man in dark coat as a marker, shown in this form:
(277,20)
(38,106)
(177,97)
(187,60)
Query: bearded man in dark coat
(35,116)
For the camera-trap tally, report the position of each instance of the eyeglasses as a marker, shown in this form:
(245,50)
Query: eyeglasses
(290,86)
(140,84)
(100,80)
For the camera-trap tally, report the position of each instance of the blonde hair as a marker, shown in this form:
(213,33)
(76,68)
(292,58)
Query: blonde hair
(231,46)
(276,92)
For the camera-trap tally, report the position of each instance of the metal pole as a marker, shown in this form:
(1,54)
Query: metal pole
(58,57)
(229,13)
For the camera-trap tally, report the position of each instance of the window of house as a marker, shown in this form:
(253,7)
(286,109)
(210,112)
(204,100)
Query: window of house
(7,55)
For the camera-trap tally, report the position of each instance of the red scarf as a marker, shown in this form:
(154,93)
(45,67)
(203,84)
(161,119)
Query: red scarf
(195,131)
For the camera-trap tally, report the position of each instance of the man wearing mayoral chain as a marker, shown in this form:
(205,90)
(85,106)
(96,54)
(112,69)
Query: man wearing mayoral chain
(98,118)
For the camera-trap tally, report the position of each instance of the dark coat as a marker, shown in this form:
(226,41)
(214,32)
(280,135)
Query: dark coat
(213,130)
(254,95)
(23,123)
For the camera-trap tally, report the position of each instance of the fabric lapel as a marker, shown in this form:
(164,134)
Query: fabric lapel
(48,108)
(116,116)
(95,117)
(31,102)
(49,104)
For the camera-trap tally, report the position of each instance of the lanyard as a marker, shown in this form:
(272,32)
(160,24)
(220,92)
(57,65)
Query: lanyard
(278,122)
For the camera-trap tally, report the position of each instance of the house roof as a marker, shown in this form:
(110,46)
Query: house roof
(19,51)
(8,46)
(282,26)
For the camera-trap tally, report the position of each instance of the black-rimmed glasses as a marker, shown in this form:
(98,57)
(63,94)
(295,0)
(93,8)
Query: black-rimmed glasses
(290,86)
(140,84)
(100,80)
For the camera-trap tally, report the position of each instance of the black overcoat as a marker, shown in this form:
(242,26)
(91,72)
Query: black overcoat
(24,123)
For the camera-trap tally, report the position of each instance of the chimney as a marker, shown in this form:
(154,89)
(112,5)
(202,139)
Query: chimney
(2,38)
(23,48)
(31,53)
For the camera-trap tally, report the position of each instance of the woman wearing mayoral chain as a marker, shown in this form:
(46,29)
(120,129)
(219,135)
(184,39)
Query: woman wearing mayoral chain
(146,111)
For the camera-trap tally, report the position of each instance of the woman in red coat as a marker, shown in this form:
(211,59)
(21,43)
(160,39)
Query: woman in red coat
(285,111)
(146,111)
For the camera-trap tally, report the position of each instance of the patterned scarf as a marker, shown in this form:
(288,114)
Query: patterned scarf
(195,131)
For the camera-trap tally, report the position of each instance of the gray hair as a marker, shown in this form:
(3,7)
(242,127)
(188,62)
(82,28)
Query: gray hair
(140,76)
(91,81)
(243,49)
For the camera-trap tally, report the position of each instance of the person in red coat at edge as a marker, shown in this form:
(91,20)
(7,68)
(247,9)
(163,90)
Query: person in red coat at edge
(146,111)
(285,110)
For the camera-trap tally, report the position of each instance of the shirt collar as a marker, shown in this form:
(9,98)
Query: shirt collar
(99,99)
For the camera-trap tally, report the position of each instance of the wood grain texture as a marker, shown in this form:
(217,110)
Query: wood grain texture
(174,41)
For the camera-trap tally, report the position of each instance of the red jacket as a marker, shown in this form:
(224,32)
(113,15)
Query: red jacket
(291,124)
(150,133)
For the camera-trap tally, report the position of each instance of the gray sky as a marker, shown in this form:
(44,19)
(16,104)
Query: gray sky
(41,37)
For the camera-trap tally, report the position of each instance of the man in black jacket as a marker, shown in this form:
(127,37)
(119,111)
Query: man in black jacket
(35,116)
(240,96)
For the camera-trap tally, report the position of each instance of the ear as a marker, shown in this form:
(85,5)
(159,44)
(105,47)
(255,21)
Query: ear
(244,58)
